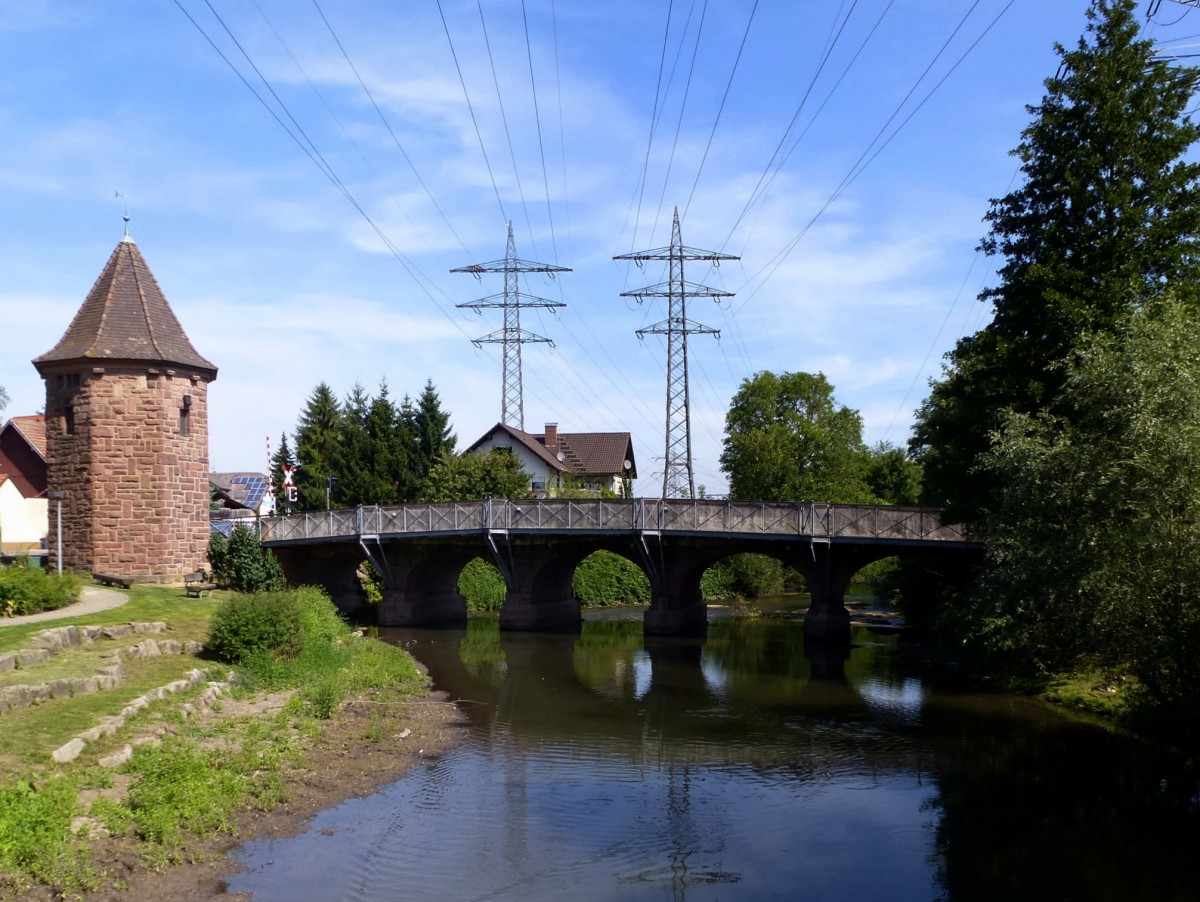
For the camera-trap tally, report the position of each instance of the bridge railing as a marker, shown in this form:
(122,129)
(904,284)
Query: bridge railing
(818,521)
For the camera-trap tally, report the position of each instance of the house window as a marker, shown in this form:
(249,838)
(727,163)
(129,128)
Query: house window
(538,485)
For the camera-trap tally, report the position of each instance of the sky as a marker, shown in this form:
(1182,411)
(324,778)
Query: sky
(302,176)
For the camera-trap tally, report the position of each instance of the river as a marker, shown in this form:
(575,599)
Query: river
(604,765)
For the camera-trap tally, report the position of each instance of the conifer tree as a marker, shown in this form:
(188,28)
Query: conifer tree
(1105,218)
(434,438)
(354,480)
(317,440)
(281,458)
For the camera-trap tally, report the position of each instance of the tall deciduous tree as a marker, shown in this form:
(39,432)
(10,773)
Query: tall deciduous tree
(1095,542)
(787,439)
(1106,216)
(470,477)
(317,438)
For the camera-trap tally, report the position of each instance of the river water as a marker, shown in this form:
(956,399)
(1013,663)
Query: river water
(604,765)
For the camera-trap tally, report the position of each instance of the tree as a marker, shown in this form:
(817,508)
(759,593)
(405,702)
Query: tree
(1106,216)
(891,475)
(431,431)
(3,398)
(241,563)
(282,457)
(317,439)
(471,477)
(787,439)
(1095,542)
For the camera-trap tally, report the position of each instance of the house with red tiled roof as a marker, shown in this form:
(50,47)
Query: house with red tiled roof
(555,461)
(23,505)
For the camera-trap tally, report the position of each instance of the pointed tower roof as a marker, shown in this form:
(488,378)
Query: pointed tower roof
(126,317)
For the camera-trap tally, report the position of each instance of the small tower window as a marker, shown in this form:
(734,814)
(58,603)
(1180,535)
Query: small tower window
(68,420)
(183,420)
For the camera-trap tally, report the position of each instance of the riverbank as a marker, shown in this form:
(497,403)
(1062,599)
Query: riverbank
(162,787)
(370,742)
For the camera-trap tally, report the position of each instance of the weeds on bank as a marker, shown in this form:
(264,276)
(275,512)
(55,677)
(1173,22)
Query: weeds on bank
(191,786)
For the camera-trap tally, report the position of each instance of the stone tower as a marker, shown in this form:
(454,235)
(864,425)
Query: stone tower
(127,431)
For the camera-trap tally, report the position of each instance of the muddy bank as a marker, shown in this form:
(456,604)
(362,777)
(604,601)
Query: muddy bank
(363,748)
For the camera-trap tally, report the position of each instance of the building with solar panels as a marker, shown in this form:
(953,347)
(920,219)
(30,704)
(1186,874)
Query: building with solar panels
(239,498)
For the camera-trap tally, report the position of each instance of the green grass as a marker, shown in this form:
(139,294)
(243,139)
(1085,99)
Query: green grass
(188,617)
(193,784)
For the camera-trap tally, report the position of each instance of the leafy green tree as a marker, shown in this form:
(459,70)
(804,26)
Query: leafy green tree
(317,439)
(471,477)
(787,439)
(891,475)
(431,431)
(1095,542)
(242,564)
(1106,215)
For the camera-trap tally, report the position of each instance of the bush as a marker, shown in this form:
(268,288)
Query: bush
(604,578)
(483,585)
(241,563)
(247,626)
(27,590)
(743,575)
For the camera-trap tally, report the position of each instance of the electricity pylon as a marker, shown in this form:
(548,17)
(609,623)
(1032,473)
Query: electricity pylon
(678,478)
(511,336)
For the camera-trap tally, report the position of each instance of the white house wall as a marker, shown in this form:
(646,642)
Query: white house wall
(537,469)
(23,522)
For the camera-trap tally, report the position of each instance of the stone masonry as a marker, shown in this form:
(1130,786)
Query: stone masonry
(127,431)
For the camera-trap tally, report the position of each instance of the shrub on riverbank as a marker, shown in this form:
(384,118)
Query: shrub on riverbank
(242,564)
(28,590)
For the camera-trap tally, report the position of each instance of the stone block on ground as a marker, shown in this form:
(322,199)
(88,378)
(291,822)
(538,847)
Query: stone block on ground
(68,752)
(117,758)
(32,657)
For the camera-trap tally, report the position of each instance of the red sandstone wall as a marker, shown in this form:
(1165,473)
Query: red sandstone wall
(136,494)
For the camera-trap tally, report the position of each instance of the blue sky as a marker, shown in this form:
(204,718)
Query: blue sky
(857,247)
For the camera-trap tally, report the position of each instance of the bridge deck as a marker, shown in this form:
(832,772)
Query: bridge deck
(811,521)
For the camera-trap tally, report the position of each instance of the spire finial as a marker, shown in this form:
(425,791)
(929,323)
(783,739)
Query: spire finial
(128,238)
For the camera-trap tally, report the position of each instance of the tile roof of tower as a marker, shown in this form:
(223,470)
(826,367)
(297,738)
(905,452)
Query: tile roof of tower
(126,317)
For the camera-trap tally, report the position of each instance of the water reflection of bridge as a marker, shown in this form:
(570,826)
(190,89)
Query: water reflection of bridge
(674,700)
(420,550)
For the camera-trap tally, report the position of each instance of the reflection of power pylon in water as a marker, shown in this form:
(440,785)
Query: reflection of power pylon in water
(511,336)
(678,478)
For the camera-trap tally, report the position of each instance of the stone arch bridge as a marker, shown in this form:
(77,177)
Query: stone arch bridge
(420,550)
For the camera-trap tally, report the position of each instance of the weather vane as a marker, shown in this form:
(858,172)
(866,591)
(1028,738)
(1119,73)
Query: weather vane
(119,195)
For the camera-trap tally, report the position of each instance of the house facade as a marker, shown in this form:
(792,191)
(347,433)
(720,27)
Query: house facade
(24,514)
(600,462)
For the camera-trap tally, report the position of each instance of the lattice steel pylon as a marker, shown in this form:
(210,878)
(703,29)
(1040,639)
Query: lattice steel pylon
(678,477)
(511,336)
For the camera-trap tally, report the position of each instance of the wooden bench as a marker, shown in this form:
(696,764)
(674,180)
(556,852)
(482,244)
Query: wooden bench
(196,584)
(107,579)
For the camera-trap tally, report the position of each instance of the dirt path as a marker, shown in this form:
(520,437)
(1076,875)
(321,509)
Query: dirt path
(91,600)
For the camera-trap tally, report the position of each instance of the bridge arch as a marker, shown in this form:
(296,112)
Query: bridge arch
(421,549)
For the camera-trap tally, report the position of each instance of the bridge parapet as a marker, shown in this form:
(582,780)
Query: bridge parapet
(812,521)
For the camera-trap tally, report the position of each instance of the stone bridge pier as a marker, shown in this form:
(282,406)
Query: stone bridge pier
(420,550)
